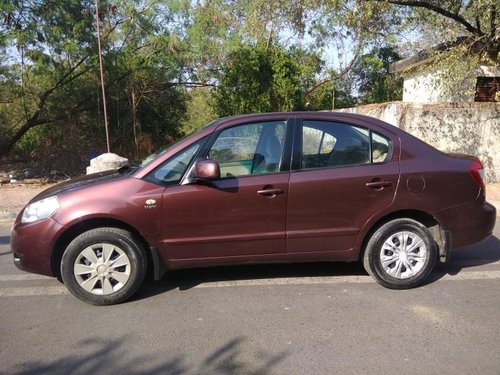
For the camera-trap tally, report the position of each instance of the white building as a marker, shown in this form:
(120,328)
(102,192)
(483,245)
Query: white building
(423,82)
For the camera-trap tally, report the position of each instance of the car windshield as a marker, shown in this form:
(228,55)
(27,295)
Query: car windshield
(146,161)
(153,156)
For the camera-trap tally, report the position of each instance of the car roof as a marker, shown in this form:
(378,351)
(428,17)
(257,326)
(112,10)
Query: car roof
(353,118)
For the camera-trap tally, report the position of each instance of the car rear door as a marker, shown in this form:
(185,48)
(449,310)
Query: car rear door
(342,175)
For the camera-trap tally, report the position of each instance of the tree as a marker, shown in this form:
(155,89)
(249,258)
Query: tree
(458,36)
(166,59)
(259,79)
(372,79)
(343,29)
(199,110)
(52,88)
(447,20)
(217,29)
(470,28)
(332,95)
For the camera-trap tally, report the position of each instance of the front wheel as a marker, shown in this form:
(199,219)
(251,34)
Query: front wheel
(103,266)
(400,254)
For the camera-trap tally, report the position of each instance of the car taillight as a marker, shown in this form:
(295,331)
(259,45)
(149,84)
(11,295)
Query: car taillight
(476,170)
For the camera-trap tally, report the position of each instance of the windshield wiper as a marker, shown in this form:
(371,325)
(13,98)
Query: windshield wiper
(128,168)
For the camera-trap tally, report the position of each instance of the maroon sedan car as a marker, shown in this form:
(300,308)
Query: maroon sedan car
(279,187)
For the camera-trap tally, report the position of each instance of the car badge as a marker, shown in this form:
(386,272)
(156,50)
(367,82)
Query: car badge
(150,203)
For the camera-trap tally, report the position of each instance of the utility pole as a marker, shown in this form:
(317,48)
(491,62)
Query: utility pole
(333,97)
(102,74)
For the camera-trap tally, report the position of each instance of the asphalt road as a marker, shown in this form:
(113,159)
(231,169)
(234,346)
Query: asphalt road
(278,319)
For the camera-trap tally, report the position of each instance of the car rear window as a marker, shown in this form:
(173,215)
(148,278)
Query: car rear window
(328,144)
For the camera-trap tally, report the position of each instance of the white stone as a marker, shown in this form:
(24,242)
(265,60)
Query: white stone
(106,162)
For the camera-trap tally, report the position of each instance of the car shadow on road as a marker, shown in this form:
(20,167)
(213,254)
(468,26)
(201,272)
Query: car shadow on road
(483,253)
(115,357)
(480,254)
(190,278)
(4,240)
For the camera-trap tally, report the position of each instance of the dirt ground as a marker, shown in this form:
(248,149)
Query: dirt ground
(13,197)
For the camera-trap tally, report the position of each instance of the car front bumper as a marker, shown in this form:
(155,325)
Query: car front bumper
(32,245)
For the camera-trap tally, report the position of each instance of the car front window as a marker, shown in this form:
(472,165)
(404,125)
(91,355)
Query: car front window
(249,149)
(172,170)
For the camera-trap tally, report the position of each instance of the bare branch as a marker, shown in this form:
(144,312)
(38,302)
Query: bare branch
(166,85)
(31,123)
(493,21)
(338,76)
(35,119)
(61,81)
(444,12)
(469,5)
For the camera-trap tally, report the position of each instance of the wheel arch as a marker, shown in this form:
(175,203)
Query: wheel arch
(83,226)
(441,237)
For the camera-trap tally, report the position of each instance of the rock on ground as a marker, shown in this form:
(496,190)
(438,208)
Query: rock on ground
(106,162)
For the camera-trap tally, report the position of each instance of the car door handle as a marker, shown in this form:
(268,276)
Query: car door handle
(378,184)
(270,192)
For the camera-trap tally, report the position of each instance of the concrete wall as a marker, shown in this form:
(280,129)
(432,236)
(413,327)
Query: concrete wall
(470,128)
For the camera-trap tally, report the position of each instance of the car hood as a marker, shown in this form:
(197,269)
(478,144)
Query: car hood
(80,182)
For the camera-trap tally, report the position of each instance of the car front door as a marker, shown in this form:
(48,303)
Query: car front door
(343,175)
(243,213)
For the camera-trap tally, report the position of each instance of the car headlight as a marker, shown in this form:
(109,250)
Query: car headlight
(39,210)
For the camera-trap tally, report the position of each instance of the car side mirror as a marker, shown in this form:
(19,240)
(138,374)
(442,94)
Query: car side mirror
(206,170)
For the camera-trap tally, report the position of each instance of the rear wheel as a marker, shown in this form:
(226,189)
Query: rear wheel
(400,254)
(103,266)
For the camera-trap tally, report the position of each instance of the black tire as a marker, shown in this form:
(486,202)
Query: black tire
(416,269)
(124,280)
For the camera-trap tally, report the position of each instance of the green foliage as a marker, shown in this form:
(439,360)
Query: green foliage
(332,95)
(259,79)
(438,21)
(455,69)
(53,98)
(173,65)
(372,78)
(200,110)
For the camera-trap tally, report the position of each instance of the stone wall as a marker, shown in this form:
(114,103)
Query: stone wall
(470,128)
